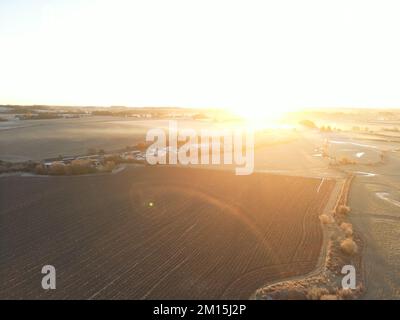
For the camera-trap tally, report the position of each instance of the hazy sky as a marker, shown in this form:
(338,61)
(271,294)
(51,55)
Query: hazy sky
(224,53)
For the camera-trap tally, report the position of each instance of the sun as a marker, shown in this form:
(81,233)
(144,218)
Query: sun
(258,117)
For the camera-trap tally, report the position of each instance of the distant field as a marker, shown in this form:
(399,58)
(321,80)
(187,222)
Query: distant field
(283,151)
(153,232)
(39,139)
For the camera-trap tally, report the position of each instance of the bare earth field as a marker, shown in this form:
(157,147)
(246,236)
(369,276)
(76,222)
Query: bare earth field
(90,218)
(154,232)
(40,139)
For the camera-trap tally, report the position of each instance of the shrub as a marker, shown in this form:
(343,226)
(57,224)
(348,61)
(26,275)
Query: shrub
(347,228)
(348,246)
(40,169)
(57,169)
(109,166)
(326,219)
(325,129)
(308,124)
(315,293)
(343,209)
(347,294)
(114,158)
(68,170)
(81,162)
(329,297)
(141,146)
(346,161)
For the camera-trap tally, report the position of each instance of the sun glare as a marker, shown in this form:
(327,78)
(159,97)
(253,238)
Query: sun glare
(260,118)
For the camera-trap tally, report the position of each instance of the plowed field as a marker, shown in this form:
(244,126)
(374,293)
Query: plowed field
(157,232)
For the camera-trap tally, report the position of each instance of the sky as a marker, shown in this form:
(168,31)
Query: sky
(245,55)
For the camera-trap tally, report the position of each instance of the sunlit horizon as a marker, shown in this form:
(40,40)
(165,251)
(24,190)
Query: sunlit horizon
(245,56)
